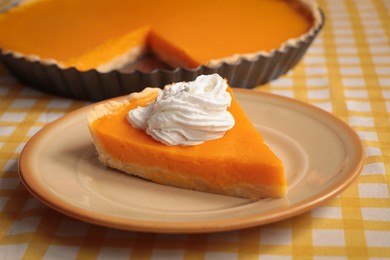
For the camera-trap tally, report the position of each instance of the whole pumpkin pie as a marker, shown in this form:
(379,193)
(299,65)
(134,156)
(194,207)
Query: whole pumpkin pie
(238,163)
(107,35)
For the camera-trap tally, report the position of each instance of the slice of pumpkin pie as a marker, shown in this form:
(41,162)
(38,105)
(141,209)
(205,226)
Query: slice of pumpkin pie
(192,135)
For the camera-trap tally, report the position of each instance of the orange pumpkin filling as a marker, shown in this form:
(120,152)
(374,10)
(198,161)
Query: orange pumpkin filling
(77,32)
(240,158)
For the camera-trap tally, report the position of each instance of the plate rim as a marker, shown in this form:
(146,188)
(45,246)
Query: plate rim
(188,227)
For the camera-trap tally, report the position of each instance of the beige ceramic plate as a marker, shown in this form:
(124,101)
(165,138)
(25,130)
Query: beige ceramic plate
(322,157)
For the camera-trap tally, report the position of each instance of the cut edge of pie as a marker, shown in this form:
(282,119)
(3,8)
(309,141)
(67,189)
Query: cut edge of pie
(271,184)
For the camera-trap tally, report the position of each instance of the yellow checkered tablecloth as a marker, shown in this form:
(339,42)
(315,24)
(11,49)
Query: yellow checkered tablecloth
(346,72)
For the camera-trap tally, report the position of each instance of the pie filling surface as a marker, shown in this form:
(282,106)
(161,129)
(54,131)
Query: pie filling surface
(107,34)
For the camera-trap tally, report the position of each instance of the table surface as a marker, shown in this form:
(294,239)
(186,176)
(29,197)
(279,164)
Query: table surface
(346,72)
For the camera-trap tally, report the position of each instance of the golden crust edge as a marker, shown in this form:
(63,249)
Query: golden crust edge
(108,107)
(161,176)
(117,62)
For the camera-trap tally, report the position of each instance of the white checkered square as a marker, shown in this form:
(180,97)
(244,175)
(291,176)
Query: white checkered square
(371,23)
(374,168)
(373,190)
(340,14)
(346,50)
(351,71)
(386,94)
(353,93)
(384,82)
(337,11)
(315,50)
(274,236)
(348,60)
(369,17)
(341,22)
(359,106)
(379,60)
(382,70)
(13,251)
(328,237)
(6,130)
(59,103)
(315,70)
(24,226)
(49,117)
(368,136)
(378,238)
(23,103)
(318,94)
(379,49)
(317,82)
(345,40)
(316,60)
(376,214)
(353,82)
(13,117)
(336,6)
(362,5)
(66,252)
(327,212)
(361,121)
(373,151)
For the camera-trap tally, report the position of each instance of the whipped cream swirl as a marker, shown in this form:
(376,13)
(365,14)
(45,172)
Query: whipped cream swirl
(187,113)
